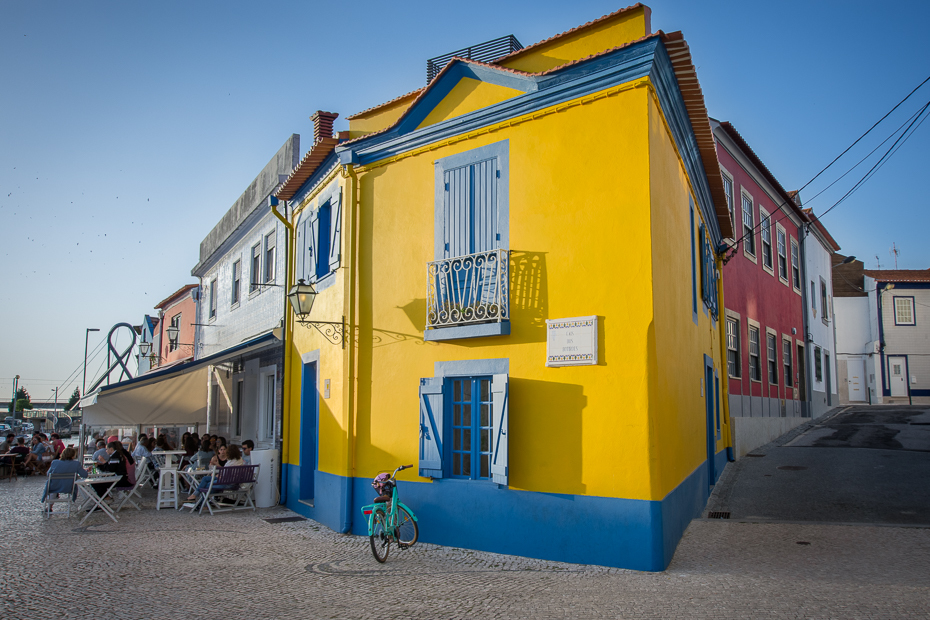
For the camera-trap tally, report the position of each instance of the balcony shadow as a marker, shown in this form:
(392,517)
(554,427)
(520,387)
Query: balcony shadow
(529,295)
(415,310)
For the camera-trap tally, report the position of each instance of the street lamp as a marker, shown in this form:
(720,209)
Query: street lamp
(13,400)
(845,261)
(302,297)
(173,332)
(86,334)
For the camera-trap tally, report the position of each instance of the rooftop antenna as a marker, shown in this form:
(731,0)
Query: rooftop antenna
(894,252)
(878,265)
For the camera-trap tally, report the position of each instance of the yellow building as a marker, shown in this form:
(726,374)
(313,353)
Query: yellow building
(523,256)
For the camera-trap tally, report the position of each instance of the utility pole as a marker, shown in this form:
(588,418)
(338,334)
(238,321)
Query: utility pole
(13,400)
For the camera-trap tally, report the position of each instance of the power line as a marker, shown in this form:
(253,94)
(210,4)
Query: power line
(865,134)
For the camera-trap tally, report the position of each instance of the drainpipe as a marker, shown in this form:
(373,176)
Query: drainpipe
(725,367)
(351,355)
(286,337)
(803,233)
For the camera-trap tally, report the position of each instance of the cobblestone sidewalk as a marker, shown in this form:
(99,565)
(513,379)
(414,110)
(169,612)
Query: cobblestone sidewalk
(156,564)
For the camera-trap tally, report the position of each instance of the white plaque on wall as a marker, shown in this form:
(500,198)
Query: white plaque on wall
(571,342)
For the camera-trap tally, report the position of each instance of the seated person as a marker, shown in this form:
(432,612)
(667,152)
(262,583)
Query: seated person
(203,456)
(118,463)
(19,451)
(7,443)
(57,445)
(65,465)
(247,446)
(34,458)
(142,448)
(101,456)
(226,457)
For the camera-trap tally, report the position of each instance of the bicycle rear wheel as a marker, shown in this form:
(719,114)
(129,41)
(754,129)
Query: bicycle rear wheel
(407,531)
(380,543)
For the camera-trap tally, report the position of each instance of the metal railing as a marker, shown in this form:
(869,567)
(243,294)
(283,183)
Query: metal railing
(468,289)
(483,52)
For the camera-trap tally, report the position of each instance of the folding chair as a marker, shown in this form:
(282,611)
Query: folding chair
(58,485)
(125,494)
(232,485)
(144,472)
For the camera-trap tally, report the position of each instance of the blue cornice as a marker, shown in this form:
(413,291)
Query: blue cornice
(647,58)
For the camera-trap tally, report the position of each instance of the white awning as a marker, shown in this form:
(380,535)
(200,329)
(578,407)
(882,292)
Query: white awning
(175,396)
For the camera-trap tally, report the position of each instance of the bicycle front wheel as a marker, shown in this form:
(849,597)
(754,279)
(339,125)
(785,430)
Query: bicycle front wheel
(380,543)
(407,531)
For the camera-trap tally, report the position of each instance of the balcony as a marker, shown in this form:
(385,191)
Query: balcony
(468,296)
(483,52)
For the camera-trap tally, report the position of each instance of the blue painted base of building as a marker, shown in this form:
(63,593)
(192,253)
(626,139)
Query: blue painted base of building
(625,533)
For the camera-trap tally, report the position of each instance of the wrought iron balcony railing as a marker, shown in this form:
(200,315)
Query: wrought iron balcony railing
(468,289)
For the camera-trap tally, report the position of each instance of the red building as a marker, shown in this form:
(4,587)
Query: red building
(763,298)
(177,314)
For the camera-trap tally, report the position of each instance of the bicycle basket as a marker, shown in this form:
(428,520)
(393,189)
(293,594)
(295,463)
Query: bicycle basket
(383,484)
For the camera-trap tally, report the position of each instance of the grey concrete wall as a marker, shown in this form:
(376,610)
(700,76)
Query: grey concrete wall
(252,198)
(757,420)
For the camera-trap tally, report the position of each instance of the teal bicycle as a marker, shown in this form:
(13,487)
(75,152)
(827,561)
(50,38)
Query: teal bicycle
(389,521)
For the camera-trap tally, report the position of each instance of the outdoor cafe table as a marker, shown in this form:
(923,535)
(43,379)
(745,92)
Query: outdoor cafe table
(193,476)
(88,498)
(166,459)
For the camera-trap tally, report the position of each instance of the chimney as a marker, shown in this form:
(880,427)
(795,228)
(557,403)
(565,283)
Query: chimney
(323,125)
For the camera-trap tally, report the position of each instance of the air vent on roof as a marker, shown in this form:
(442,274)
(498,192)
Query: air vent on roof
(483,52)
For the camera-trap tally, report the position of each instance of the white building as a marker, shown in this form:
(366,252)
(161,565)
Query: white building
(818,247)
(242,278)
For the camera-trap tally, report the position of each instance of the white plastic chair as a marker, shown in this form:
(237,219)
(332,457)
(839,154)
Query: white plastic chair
(65,493)
(124,496)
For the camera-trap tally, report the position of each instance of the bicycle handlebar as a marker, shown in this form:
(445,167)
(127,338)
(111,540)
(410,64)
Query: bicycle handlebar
(401,468)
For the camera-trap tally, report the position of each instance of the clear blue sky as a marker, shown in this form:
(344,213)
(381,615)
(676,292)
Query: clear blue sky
(128,129)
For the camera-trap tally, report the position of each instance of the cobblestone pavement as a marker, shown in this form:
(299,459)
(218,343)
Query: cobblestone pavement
(154,564)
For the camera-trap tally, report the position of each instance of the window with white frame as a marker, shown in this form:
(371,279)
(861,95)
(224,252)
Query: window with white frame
(765,223)
(782,249)
(728,191)
(174,343)
(319,237)
(824,307)
(733,359)
(772,357)
(786,361)
(213,292)
(904,311)
(266,406)
(236,282)
(755,368)
(256,272)
(813,299)
(749,236)
(795,266)
(464,427)
(269,257)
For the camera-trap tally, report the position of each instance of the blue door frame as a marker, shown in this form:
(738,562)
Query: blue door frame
(709,400)
(309,429)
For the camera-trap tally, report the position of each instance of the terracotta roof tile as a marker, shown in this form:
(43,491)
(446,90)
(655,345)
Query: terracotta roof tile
(305,169)
(567,32)
(177,293)
(386,103)
(690,88)
(899,275)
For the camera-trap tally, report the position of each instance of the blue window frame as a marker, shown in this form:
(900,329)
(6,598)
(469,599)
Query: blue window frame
(708,274)
(471,415)
(464,421)
(319,239)
(693,266)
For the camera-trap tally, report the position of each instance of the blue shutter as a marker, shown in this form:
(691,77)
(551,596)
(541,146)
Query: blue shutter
(313,235)
(431,418)
(456,213)
(499,423)
(484,206)
(703,246)
(335,241)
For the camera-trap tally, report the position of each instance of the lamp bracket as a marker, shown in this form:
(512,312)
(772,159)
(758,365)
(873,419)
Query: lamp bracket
(335,333)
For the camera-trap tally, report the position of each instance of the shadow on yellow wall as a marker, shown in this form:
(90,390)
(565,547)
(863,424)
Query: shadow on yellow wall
(547,417)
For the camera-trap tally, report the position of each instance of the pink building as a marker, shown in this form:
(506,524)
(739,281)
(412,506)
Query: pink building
(175,337)
(763,284)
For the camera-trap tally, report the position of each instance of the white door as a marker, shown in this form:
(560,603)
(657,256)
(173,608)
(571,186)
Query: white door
(856,380)
(898,374)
